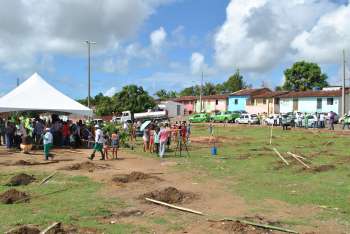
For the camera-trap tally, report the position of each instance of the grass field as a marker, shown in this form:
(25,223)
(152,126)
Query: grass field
(245,163)
(79,206)
(249,166)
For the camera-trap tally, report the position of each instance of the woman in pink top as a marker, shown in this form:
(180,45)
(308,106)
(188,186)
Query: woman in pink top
(163,139)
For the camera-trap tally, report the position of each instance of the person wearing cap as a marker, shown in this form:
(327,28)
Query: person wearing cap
(47,140)
(99,139)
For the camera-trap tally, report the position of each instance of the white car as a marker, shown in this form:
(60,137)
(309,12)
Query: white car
(247,119)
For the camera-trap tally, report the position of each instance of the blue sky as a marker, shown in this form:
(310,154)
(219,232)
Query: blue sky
(168,43)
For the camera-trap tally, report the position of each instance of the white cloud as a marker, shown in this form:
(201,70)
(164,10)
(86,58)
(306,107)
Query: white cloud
(33,27)
(259,34)
(111,91)
(198,65)
(326,40)
(157,38)
(135,54)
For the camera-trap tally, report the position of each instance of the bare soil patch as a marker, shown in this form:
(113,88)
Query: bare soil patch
(133,177)
(169,195)
(21,179)
(323,168)
(13,196)
(238,227)
(22,162)
(89,166)
(27,229)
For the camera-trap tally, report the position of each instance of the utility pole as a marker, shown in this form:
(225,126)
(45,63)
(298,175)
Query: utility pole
(200,95)
(89,70)
(343,86)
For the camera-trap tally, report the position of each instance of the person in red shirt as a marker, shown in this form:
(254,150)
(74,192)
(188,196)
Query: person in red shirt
(66,134)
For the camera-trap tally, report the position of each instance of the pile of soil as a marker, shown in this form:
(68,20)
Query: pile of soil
(323,168)
(132,177)
(238,227)
(84,166)
(169,195)
(12,196)
(23,163)
(24,230)
(21,179)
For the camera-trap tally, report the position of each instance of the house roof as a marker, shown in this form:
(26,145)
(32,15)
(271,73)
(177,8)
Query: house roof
(271,94)
(185,98)
(217,96)
(250,92)
(313,93)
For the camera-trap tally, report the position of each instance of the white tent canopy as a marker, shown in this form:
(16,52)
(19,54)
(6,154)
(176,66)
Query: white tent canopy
(35,94)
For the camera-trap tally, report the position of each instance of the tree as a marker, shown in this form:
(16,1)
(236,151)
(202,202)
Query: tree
(208,89)
(304,76)
(133,98)
(234,83)
(164,95)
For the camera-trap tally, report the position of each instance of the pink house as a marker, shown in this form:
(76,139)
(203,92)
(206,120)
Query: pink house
(188,102)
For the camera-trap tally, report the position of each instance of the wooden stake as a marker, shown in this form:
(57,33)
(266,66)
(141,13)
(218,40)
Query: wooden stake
(49,228)
(271,135)
(48,178)
(297,158)
(174,207)
(279,155)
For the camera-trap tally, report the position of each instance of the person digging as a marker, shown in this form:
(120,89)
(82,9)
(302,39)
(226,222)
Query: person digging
(98,146)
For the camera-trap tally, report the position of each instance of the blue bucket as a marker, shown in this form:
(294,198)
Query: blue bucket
(214,150)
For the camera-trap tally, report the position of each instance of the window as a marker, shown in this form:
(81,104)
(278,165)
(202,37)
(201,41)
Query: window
(319,103)
(216,102)
(277,101)
(330,101)
(236,101)
(264,101)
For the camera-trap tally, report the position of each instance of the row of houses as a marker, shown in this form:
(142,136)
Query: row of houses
(264,100)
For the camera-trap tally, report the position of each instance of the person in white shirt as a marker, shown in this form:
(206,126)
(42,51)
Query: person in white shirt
(99,140)
(322,119)
(47,140)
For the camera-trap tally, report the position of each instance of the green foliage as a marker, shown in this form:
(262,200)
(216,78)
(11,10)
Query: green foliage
(133,98)
(164,95)
(304,76)
(233,84)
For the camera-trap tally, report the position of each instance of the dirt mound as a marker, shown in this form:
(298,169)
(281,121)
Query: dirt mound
(238,227)
(89,166)
(20,179)
(12,196)
(132,177)
(24,230)
(323,168)
(22,163)
(169,195)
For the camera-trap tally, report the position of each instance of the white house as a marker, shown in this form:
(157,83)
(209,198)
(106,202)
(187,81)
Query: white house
(326,100)
(174,109)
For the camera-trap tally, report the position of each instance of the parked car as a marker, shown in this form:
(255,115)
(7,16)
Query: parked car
(247,119)
(199,118)
(311,121)
(224,116)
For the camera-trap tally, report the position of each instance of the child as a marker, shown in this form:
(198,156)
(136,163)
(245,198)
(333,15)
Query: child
(151,140)
(145,139)
(48,139)
(115,144)
(156,139)
(106,144)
